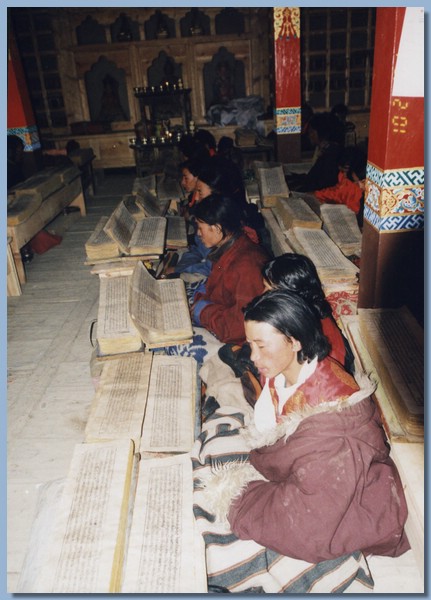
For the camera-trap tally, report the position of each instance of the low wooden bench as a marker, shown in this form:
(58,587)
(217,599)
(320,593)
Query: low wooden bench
(83,159)
(13,284)
(36,201)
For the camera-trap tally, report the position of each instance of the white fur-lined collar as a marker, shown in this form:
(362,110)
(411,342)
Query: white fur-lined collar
(256,439)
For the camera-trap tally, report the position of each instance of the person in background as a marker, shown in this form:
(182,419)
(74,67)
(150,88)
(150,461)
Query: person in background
(324,134)
(227,149)
(207,140)
(319,482)
(191,148)
(211,178)
(293,273)
(350,187)
(220,177)
(348,130)
(235,276)
(297,273)
(189,177)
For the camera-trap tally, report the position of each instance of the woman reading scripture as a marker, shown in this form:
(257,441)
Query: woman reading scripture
(235,278)
(318,482)
(294,273)
(297,273)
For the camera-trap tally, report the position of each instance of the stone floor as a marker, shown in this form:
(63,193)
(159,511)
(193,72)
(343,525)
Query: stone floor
(50,388)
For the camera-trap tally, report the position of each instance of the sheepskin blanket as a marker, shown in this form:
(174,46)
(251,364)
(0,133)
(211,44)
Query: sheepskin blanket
(235,565)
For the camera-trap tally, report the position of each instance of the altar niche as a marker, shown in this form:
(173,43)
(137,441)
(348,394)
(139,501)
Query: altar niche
(107,93)
(164,71)
(159,26)
(165,80)
(224,79)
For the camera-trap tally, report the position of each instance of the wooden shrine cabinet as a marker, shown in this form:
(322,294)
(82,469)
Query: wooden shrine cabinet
(159,106)
(104,54)
(165,117)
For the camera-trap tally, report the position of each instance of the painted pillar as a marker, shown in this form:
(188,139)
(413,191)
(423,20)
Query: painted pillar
(287,64)
(392,262)
(20,116)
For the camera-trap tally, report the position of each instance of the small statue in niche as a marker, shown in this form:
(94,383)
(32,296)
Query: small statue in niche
(162,30)
(125,33)
(195,26)
(223,87)
(111,109)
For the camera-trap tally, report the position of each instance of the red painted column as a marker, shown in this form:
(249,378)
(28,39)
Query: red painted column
(287,63)
(392,249)
(20,116)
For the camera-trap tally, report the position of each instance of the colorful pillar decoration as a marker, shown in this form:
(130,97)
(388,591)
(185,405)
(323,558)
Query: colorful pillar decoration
(392,257)
(20,116)
(394,198)
(287,61)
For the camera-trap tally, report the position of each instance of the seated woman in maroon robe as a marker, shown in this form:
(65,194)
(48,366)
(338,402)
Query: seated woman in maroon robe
(236,258)
(319,482)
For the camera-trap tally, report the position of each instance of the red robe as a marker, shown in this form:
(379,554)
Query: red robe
(331,487)
(344,192)
(235,279)
(333,333)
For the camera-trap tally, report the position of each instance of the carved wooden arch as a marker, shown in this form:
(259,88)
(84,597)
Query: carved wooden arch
(224,78)
(107,92)
(159,26)
(90,31)
(229,20)
(195,22)
(163,70)
(124,29)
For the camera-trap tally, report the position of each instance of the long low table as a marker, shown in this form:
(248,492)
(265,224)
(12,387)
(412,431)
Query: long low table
(69,194)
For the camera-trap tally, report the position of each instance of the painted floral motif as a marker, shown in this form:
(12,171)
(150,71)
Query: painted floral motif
(286,23)
(394,199)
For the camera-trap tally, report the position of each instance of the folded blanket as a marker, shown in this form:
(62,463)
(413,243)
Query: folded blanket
(235,565)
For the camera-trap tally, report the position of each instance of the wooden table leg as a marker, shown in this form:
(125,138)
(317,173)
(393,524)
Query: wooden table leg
(19,266)
(13,283)
(80,203)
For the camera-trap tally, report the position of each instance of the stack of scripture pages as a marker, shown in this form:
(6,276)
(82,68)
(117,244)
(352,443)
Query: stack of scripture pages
(395,342)
(159,309)
(331,264)
(118,407)
(272,184)
(168,189)
(121,525)
(116,332)
(295,212)
(176,234)
(170,415)
(134,207)
(342,227)
(147,183)
(87,545)
(165,554)
(100,245)
(148,398)
(279,243)
(148,200)
(136,238)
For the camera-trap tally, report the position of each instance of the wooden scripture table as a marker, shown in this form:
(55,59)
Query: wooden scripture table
(36,205)
(83,158)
